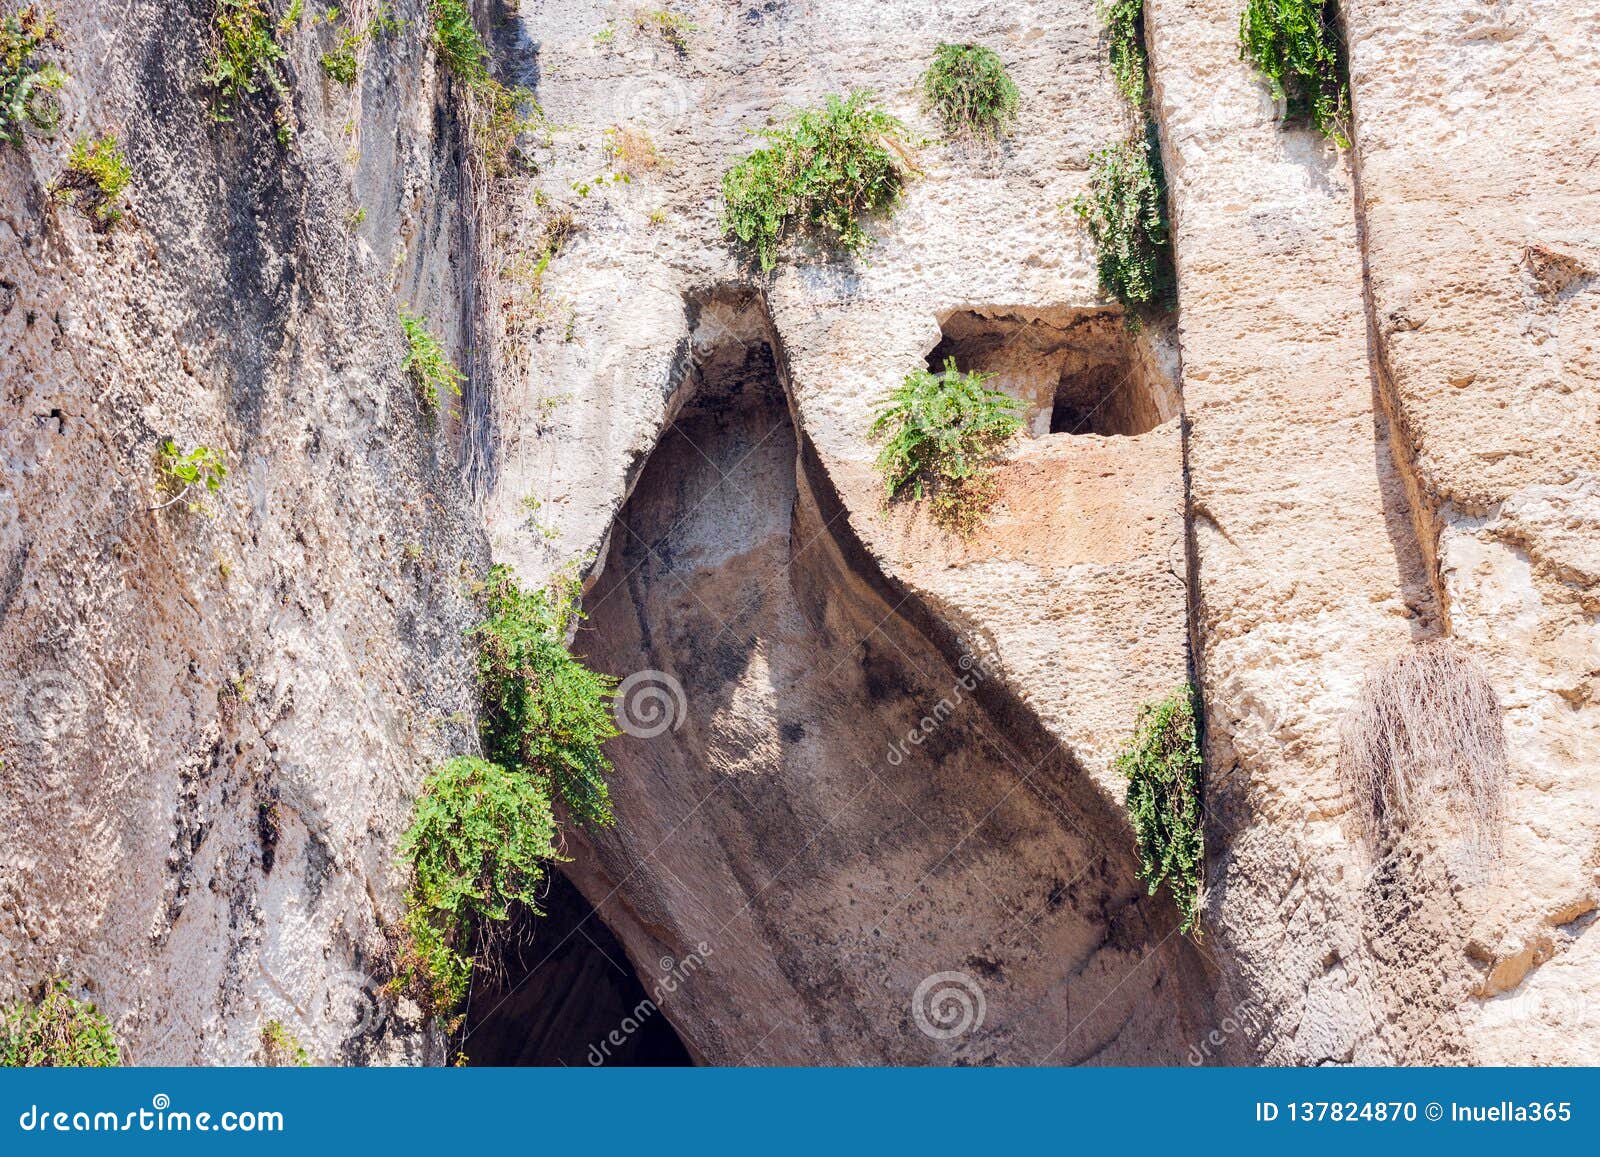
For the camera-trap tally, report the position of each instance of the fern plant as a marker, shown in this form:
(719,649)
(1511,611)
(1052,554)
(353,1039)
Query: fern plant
(1162,765)
(97,173)
(426,361)
(1296,46)
(500,113)
(968,88)
(544,712)
(941,434)
(823,171)
(1125,212)
(479,840)
(60,1031)
(27,83)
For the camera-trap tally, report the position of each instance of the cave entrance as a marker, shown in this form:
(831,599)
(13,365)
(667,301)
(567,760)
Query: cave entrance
(1076,371)
(563,986)
(824,802)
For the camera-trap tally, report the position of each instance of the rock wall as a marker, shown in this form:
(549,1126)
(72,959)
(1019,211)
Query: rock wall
(215,724)
(1370,423)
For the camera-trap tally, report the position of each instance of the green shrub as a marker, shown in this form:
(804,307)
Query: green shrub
(1125,211)
(1162,765)
(1124,19)
(26,83)
(280,1048)
(190,478)
(427,363)
(967,86)
(479,840)
(247,55)
(943,433)
(822,171)
(58,1032)
(544,713)
(96,175)
(1296,45)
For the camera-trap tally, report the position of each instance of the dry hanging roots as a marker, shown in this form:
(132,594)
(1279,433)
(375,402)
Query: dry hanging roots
(1425,740)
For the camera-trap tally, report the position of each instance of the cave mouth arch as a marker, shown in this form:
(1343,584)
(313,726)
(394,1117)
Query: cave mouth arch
(1077,371)
(783,831)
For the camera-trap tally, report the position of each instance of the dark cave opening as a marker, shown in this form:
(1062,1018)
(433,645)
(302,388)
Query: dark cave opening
(563,988)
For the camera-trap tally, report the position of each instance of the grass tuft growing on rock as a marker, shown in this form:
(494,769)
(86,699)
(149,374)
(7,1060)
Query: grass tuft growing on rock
(1125,211)
(942,432)
(59,1031)
(1296,46)
(28,84)
(1426,736)
(821,172)
(968,88)
(1162,765)
(97,173)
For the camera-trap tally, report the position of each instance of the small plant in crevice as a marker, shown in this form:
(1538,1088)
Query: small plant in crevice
(59,1031)
(480,838)
(188,477)
(1125,212)
(339,63)
(97,173)
(1162,765)
(1424,743)
(1124,21)
(942,433)
(821,172)
(427,363)
(499,114)
(1296,45)
(28,84)
(281,1049)
(545,713)
(672,27)
(968,88)
(247,55)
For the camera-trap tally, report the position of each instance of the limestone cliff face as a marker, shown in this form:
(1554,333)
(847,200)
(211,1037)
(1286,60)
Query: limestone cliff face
(1370,422)
(214,726)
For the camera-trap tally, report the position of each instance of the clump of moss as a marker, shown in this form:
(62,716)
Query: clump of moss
(28,84)
(1125,211)
(1296,45)
(1162,764)
(59,1031)
(97,173)
(823,171)
(968,88)
(942,434)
